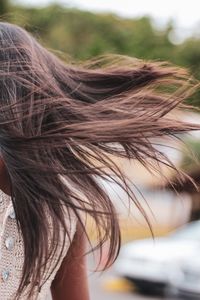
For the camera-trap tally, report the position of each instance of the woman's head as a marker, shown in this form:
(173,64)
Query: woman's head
(60,124)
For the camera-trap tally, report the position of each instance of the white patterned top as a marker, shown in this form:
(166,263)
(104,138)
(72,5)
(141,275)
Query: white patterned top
(12,254)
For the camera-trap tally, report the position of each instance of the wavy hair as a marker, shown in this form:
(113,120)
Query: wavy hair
(60,120)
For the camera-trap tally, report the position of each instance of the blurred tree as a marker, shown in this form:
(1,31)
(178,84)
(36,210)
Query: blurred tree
(191,165)
(83,34)
(191,159)
(4,7)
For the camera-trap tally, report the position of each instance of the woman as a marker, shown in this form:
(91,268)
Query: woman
(59,126)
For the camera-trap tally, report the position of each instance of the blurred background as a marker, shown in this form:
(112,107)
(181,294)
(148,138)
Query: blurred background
(167,266)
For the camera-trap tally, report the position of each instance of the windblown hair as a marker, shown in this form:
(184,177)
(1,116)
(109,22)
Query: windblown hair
(60,120)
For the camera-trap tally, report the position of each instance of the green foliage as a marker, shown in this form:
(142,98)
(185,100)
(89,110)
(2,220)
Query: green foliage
(191,157)
(4,7)
(83,35)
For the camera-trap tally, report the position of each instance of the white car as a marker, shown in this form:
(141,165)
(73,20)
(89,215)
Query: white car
(151,264)
(186,281)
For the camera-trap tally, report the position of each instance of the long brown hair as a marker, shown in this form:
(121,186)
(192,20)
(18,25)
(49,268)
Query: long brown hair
(59,119)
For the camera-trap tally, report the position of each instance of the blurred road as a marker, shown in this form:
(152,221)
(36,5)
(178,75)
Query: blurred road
(107,286)
(98,291)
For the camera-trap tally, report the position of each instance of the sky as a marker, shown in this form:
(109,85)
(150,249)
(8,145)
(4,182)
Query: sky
(185,14)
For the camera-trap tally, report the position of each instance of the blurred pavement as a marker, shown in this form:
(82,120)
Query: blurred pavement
(99,292)
(107,286)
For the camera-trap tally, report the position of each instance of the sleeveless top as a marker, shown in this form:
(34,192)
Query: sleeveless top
(12,254)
